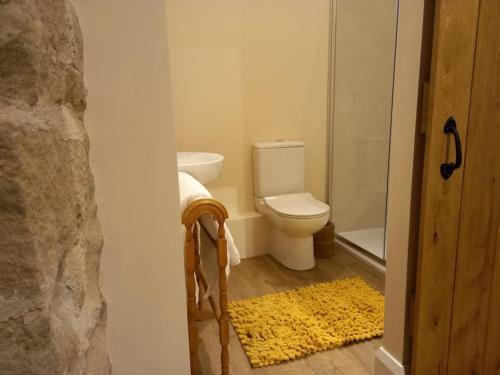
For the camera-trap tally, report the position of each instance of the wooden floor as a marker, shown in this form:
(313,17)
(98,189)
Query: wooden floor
(263,275)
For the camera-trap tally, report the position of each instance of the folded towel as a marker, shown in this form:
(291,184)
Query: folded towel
(190,190)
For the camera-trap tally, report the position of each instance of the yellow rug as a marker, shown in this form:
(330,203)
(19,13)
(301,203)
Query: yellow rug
(290,325)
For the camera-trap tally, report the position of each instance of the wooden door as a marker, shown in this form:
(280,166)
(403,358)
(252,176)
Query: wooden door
(457,310)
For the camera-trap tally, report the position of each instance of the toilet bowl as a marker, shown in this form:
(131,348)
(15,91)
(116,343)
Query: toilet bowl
(293,218)
(293,215)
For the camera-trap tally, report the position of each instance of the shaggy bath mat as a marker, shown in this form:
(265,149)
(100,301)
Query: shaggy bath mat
(290,325)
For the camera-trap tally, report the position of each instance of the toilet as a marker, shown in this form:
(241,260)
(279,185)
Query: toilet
(294,215)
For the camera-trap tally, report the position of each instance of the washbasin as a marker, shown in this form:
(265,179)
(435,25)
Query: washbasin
(204,166)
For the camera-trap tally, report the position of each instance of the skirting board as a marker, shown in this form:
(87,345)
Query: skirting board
(386,364)
(250,232)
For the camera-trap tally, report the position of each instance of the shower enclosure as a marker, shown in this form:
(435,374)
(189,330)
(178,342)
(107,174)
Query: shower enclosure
(363,35)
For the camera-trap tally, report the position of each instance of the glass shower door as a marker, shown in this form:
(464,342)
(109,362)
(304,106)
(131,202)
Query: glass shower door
(363,70)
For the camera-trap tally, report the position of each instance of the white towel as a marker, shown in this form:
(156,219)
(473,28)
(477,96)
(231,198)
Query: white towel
(190,190)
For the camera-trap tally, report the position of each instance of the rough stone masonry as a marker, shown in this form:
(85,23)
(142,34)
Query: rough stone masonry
(52,312)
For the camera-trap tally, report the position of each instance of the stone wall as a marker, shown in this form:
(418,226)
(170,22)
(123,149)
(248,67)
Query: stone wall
(52,312)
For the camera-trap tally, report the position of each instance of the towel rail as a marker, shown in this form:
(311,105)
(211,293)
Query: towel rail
(194,274)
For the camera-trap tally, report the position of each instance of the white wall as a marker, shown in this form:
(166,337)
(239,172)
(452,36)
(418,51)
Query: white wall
(133,158)
(245,71)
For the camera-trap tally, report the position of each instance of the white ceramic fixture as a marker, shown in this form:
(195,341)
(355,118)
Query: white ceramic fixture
(294,214)
(204,166)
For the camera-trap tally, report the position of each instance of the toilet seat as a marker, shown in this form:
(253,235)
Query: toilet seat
(298,206)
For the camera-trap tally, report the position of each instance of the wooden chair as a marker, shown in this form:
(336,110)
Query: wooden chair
(194,274)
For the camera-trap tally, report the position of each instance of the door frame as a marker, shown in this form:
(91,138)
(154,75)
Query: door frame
(412,70)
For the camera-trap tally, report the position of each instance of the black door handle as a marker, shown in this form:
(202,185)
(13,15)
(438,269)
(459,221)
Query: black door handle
(447,168)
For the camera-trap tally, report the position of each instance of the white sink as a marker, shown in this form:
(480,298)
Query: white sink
(204,166)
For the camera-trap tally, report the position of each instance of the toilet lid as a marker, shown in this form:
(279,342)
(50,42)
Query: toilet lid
(297,205)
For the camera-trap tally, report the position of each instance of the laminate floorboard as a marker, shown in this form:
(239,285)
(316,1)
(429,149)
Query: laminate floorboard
(263,275)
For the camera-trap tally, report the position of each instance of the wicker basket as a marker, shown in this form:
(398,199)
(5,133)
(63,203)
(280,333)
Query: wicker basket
(324,241)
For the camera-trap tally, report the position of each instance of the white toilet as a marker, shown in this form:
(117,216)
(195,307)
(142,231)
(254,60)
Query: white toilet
(278,169)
